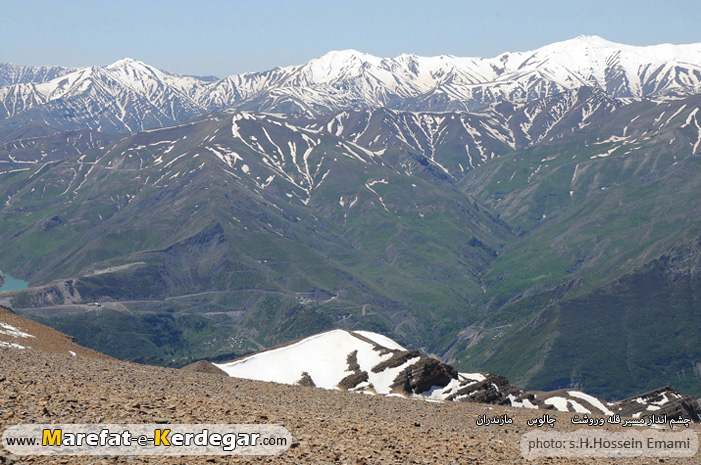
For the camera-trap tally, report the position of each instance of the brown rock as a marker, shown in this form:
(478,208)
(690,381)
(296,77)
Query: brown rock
(306,380)
(423,375)
(669,401)
(203,366)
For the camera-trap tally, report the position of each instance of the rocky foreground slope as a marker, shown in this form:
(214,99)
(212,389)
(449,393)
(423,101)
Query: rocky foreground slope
(52,380)
(327,426)
(20,333)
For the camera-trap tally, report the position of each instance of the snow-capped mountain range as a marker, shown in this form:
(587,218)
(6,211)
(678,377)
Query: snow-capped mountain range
(15,74)
(130,95)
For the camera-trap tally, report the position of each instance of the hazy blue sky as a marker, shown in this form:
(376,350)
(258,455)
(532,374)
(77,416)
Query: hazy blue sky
(227,37)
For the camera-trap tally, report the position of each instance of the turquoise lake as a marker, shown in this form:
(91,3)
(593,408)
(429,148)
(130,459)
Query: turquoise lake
(12,284)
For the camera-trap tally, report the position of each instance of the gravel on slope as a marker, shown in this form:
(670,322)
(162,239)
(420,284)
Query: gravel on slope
(327,426)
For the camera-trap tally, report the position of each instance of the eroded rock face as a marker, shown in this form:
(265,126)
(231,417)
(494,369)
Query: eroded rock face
(662,401)
(353,380)
(398,358)
(423,375)
(306,380)
(413,379)
(494,389)
(432,378)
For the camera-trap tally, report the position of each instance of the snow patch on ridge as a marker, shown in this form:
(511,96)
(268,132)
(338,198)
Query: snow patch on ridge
(323,357)
(12,331)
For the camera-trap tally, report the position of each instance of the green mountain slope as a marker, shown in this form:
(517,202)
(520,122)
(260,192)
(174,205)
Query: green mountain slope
(596,212)
(555,242)
(271,230)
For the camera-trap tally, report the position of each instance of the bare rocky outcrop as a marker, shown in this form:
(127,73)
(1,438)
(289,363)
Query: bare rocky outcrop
(662,401)
(352,361)
(354,380)
(398,358)
(416,378)
(357,376)
(59,292)
(306,380)
(494,389)
(423,375)
(203,366)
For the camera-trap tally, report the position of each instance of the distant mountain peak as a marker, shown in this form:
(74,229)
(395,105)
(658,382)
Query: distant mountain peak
(592,39)
(123,62)
(348,53)
(338,63)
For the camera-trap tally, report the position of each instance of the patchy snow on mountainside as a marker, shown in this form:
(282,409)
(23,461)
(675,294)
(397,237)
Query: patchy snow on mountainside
(322,356)
(368,362)
(326,358)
